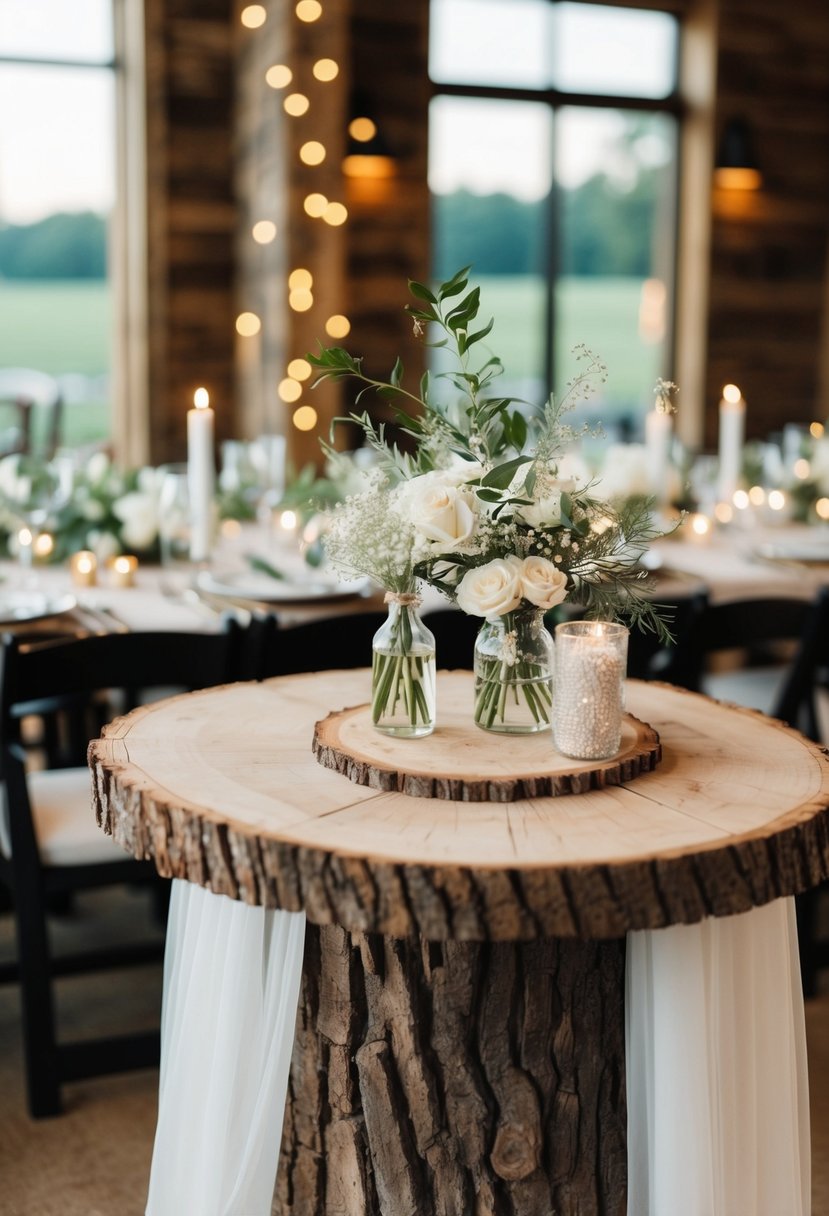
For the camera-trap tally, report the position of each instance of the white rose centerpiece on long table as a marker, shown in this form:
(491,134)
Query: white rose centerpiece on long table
(476,508)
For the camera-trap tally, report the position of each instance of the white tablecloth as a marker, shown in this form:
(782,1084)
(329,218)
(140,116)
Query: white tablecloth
(718,1119)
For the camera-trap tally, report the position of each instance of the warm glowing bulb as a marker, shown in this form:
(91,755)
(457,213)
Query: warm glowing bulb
(362,129)
(802,469)
(253,15)
(300,278)
(757,496)
(288,520)
(326,69)
(816,430)
(24,536)
(308,10)
(822,508)
(278,76)
(338,326)
(731,394)
(305,418)
(777,500)
(701,524)
(263,232)
(289,390)
(300,300)
(312,153)
(296,104)
(44,545)
(300,369)
(315,205)
(201,398)
(230,528)
(724,512)
(335,214)
(248,324)
(740,499)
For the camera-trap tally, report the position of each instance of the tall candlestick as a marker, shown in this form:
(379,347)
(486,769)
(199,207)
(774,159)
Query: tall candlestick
(732,427)
(658,428)
(200,475)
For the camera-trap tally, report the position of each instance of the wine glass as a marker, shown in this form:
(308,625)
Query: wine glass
(39,489)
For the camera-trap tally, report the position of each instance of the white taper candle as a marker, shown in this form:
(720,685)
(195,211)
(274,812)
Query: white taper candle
(200,475)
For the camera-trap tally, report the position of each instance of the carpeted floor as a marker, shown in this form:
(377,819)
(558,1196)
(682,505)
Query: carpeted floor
(94,1159)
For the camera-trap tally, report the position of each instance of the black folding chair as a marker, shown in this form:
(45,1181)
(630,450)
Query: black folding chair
(50,844)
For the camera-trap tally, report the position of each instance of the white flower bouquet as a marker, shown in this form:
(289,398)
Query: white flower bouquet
(479,503)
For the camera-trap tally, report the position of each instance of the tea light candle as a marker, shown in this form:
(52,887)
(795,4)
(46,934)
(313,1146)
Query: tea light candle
(83,568)
(588,688)
(732,427)
(122,571)
(200,474)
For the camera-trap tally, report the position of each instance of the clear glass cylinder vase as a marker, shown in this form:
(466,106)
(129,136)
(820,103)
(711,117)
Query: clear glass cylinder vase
(513,673)
(403,672)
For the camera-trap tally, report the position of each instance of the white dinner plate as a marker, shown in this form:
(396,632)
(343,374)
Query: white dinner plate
(252,585)
(18,607)
(802,552)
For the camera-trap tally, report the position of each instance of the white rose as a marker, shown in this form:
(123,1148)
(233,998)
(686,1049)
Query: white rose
(542,583)
(491,590)
(92,510)
(139,516)
(97,467)
(545,513)
(441,510)
(103,544)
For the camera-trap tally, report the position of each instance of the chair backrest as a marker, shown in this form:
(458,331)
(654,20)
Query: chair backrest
(28,388)
(455,634)
(809,672)
(335,643)
(651,659)
(752,625)
(60,674)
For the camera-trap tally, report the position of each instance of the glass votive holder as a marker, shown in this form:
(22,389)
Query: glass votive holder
(590,662)
(83,568)
(122,570)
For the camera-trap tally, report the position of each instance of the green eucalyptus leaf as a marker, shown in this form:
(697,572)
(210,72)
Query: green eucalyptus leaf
(422,292)
(502,474)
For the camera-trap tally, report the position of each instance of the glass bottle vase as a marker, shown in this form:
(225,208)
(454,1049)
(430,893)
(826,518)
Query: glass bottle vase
(403,671)
(513,673)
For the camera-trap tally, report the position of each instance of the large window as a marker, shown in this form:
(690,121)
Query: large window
(553,151)
(57,191)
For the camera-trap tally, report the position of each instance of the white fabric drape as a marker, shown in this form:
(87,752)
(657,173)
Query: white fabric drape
(718,1113)
(231,987)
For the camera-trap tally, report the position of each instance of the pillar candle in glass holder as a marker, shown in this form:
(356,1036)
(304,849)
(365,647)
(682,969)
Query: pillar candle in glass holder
(200,474)
(590,660)
(732,428)
(83,568)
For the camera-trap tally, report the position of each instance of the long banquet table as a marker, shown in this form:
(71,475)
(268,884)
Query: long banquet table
(579,1003)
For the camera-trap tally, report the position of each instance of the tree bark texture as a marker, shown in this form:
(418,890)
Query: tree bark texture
(456,1079)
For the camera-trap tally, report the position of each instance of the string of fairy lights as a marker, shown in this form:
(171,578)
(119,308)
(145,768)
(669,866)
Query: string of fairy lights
(316,206)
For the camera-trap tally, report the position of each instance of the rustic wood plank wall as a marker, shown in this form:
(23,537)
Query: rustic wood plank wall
(191,215)
(768,268)
(769,247)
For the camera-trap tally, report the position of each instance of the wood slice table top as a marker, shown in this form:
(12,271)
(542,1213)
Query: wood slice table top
(221,788)
(464,762)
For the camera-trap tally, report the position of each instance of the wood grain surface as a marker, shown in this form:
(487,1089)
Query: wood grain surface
(222,788)
(465,763)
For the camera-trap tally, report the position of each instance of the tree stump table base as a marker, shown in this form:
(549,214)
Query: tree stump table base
(446,1078)
(462,762)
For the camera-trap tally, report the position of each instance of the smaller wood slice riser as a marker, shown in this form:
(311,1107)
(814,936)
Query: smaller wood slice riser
(633,764)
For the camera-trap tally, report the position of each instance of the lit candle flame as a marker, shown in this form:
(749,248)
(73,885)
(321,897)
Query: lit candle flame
(201,399)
